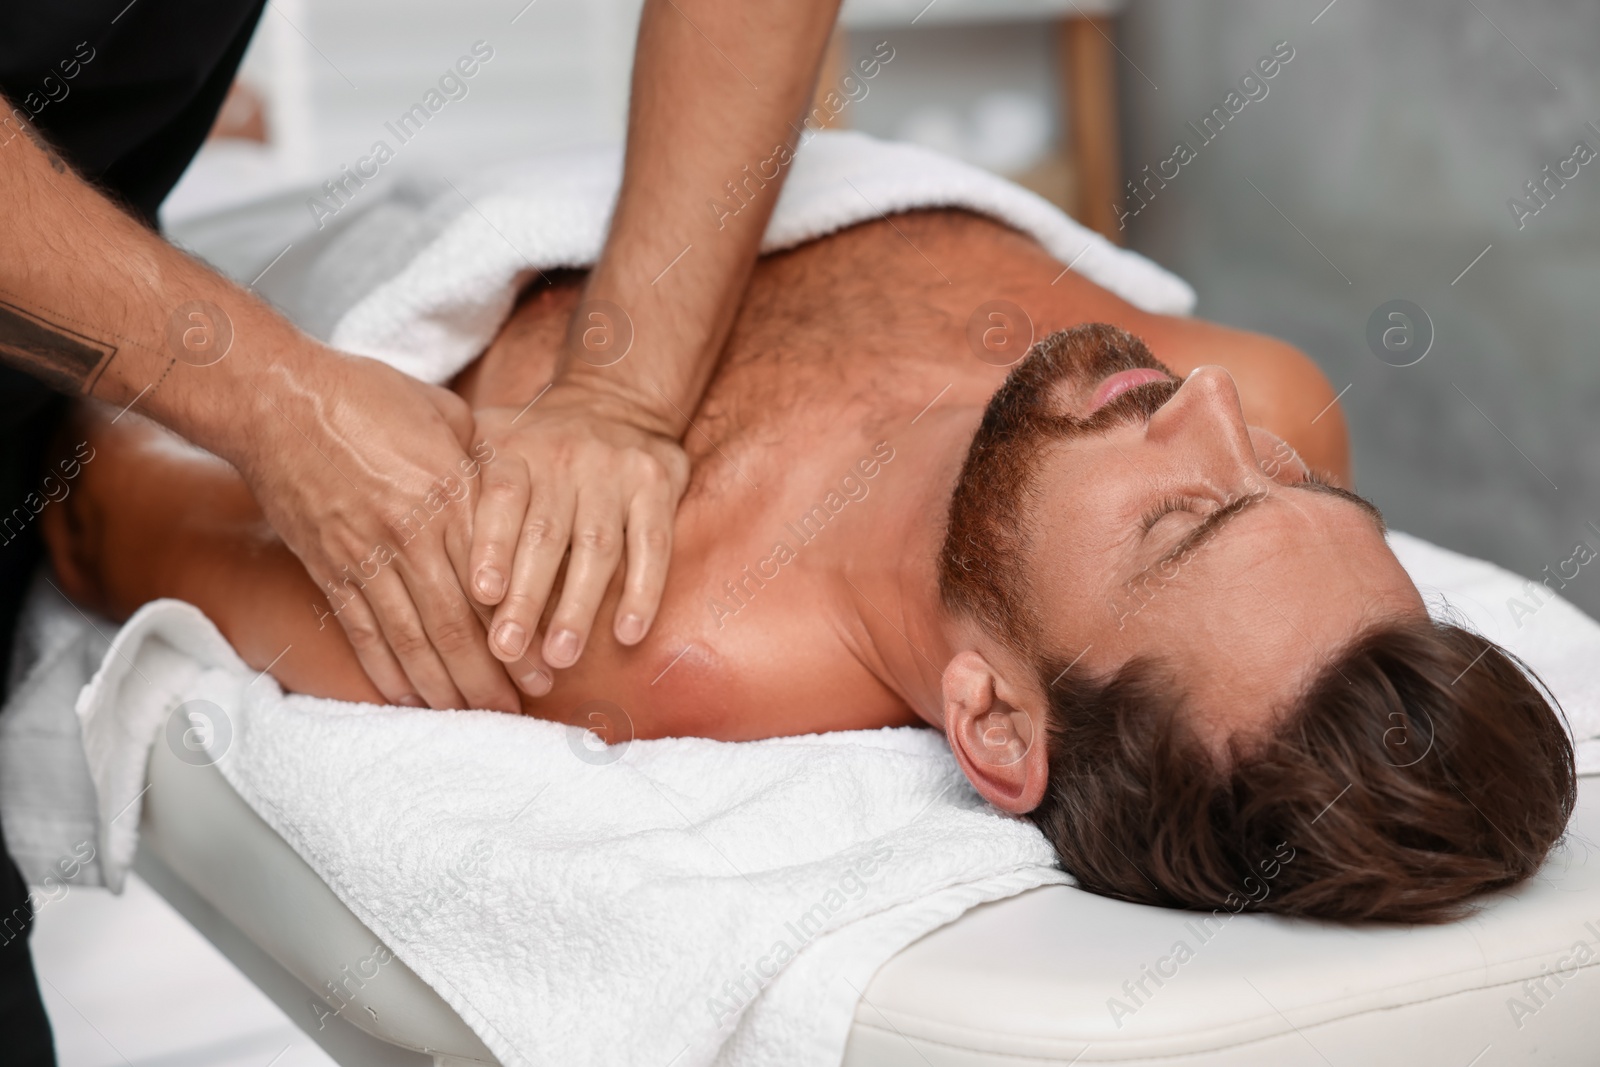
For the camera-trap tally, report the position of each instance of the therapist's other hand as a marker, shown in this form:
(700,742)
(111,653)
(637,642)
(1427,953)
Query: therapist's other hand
(576,470)
(363,472)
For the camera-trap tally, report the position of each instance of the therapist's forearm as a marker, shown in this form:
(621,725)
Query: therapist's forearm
(94,303)
(718,89)
(338,451)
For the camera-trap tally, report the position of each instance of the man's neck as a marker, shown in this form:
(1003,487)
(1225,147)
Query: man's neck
(888,589)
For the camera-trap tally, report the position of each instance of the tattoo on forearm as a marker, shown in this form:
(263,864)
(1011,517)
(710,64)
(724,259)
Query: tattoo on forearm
(63,359)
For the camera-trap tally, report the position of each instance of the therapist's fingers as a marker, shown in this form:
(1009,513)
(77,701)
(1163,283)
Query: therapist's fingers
(596,550)
(496,525)
(649,547)
(540,547)
(402,629)
(361,629)
(452,628)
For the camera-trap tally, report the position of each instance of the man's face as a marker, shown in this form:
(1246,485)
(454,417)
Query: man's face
(1117,512)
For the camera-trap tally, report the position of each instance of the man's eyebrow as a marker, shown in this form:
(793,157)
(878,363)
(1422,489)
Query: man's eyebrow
(1209,525)
(1318,485)
(1213,522)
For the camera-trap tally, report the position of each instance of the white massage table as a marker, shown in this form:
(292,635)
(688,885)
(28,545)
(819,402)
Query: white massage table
(1020,981)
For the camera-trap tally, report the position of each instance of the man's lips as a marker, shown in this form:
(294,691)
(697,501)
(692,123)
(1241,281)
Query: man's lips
(1120,383)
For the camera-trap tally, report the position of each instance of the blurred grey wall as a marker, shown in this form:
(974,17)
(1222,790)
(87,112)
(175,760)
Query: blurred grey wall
(1383,157)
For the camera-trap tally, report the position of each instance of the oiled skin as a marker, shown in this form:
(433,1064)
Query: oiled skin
(838,351)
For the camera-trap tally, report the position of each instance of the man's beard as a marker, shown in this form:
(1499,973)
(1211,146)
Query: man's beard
(981,566)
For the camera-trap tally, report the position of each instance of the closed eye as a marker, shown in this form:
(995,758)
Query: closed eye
(1166,506)
(1213,520)
(1207,527)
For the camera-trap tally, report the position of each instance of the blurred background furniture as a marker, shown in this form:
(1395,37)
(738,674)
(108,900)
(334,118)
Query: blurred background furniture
(1071,157)
(1049,121)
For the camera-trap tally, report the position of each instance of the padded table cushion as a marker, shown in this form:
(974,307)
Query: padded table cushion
(1055,975)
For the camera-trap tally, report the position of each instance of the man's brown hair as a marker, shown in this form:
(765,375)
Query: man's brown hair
(1423,767)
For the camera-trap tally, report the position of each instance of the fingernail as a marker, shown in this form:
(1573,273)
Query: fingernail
(630,628)
(535,683)
(491,583)
(410,700)
(562,648)
(511,637)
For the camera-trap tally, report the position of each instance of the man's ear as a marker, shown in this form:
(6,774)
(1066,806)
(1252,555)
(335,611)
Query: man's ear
(997,734)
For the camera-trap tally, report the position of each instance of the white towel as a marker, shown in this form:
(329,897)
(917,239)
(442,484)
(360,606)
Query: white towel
(579,905)
(444,308)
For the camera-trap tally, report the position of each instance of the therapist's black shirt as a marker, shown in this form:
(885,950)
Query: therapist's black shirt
(126,93)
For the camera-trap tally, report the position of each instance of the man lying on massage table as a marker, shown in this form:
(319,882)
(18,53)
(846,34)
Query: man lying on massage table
(1125,579)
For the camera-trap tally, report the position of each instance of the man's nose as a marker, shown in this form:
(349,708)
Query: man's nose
(1205,418)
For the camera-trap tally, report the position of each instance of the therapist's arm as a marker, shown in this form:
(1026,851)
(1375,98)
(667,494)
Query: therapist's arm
(719,88)
(338,450)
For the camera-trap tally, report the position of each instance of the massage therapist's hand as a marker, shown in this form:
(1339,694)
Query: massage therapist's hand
(581,471)
(363,472)
(334,447)
(594,465)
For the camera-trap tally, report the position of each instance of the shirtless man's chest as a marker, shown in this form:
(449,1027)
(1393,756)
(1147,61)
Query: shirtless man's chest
(803,441)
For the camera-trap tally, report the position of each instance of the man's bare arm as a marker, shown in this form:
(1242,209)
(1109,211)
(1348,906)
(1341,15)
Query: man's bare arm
(337,449)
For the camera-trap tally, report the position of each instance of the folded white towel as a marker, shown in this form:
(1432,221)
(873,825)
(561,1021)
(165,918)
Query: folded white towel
(575,904)
(444,308)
